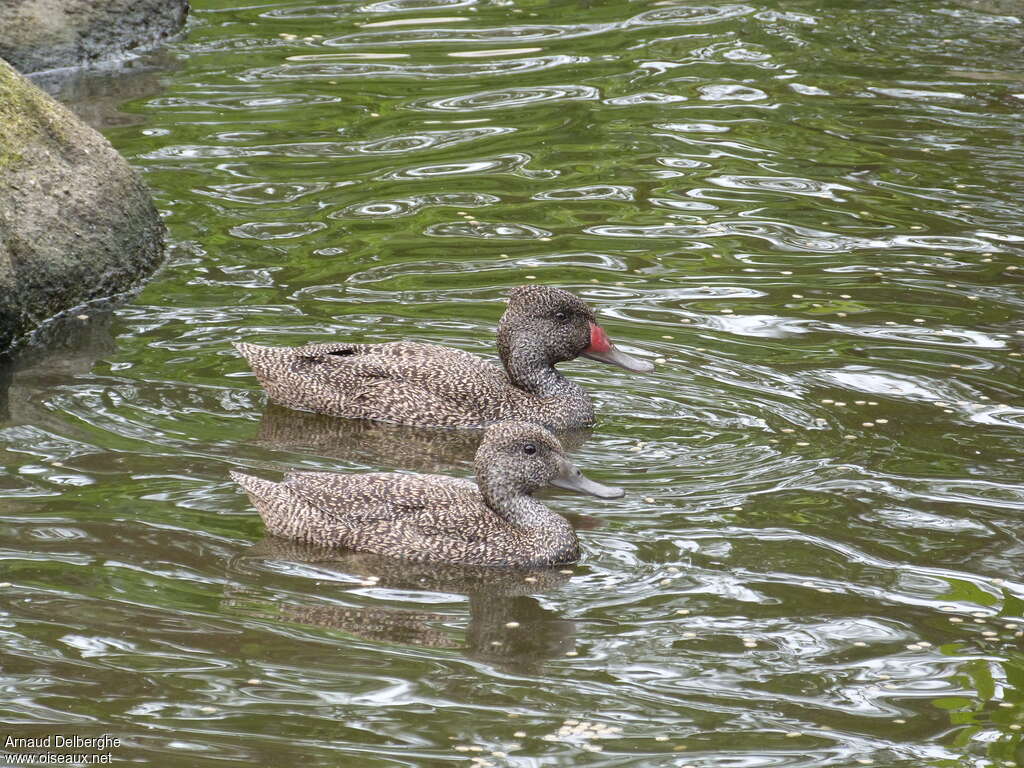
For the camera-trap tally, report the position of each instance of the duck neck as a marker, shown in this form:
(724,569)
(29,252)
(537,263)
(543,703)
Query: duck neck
(518,508)
(552,539)
(529,368)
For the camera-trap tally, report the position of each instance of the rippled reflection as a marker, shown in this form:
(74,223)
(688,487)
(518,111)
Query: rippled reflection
(378,444)
(506,627)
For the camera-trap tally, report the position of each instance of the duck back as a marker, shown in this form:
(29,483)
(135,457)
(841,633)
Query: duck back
(399,382)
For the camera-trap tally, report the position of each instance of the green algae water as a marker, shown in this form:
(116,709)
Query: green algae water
(809,214)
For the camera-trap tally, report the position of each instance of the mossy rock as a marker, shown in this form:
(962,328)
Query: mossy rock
(76,222)
(37,35)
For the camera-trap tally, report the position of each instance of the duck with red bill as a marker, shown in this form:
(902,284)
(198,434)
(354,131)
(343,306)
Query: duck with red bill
(406,382)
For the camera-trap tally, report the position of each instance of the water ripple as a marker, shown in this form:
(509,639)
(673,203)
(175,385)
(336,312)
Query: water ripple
(276,230)
(592,192)
(214,102)
(807,220)
(499,35)
(513,164)
(327,66)
(390,145)
(689,15)
(411,205)
(508,98)
(487,230)
(260,193)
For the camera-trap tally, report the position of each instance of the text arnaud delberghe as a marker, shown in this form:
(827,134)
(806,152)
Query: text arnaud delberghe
(58,741)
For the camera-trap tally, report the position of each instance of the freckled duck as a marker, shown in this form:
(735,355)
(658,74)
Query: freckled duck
(430,385)
(437,518)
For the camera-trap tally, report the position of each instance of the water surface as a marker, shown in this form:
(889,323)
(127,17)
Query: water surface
(808,213)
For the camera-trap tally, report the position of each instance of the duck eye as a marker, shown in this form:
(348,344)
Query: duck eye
(561,316)
(529,449)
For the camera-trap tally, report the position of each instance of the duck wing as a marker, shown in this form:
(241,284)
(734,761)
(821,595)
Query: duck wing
(402,382)
(432,518)
(384,496)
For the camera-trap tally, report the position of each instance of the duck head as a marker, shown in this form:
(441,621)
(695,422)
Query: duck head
(550,323)
(517,458)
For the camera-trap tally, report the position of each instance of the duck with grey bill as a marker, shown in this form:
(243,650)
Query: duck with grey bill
(429,385)
(495,521)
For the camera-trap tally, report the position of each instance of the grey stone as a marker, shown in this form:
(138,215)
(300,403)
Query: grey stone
(46,34)
(76,222)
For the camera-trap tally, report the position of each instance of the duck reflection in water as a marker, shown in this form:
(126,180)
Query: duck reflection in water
(507,626)
(375,443)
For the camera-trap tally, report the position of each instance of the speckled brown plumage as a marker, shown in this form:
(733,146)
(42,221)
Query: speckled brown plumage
(431,385)
(436,518)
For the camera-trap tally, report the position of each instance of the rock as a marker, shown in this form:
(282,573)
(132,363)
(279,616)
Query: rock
(76,222)
(46,34)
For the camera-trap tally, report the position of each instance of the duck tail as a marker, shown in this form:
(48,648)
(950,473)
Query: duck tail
(271,366)
(245,349)
(275,503)
(256,487)
(258,357)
